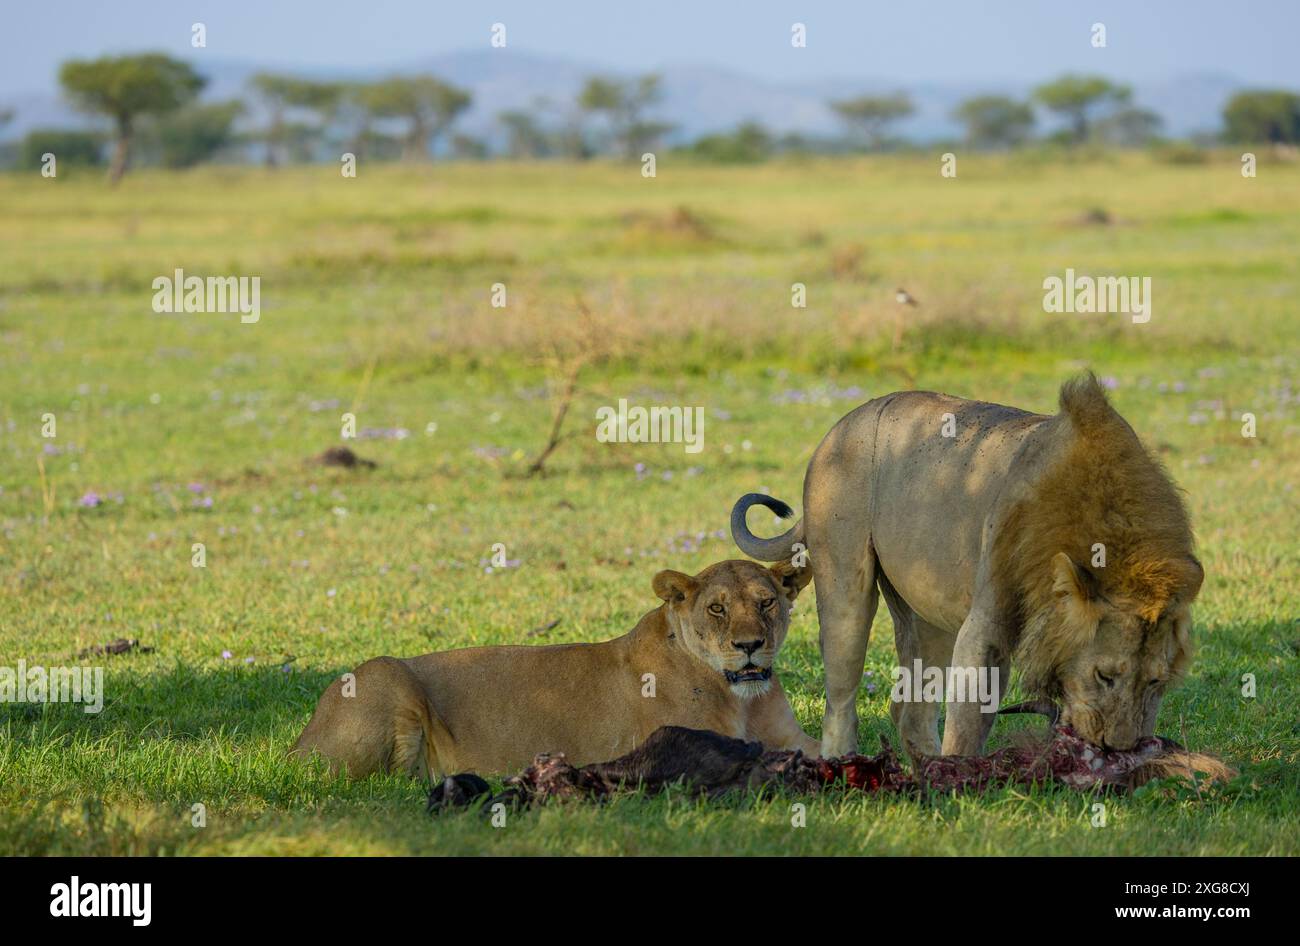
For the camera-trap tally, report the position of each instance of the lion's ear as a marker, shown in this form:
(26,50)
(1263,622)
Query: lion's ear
(790,578)
(673,586)
(1190,575)
(1070,579)
(1079,591)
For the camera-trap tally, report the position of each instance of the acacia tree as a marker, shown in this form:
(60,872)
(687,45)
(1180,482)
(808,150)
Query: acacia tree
(565,127)
(1266,116)
(525,137)
(354,119)
(995,121)
(6,116)
(282,93)
(195,134)
(871,115)
(624,103)
(1130,127)
(428,105)
(1077,98)
(124,88)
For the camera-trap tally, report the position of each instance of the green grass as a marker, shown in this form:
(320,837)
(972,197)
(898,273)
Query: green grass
(375,299)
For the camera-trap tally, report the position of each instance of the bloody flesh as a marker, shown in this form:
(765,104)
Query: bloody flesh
(710,764)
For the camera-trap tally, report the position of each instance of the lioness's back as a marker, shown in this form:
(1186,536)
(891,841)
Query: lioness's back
(480,692)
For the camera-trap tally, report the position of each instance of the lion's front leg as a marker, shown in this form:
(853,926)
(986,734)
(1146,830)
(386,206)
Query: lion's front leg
(977,678)
(772,722)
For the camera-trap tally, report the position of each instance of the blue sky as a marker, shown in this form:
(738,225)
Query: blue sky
(906,40)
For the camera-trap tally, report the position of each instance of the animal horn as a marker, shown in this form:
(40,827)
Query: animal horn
(1041,707)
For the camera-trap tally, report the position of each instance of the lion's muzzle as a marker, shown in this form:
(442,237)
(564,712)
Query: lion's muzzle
(748,674)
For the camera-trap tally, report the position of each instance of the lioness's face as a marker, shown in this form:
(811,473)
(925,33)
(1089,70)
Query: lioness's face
(1112,685)
(733,616)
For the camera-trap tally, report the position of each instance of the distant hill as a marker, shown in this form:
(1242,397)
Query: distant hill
(698,98)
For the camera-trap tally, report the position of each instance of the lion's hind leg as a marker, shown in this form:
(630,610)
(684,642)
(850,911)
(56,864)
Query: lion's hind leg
(846,606)
(917,720)
(376,719)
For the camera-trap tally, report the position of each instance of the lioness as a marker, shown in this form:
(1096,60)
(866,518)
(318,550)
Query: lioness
(994,532)
(701,659)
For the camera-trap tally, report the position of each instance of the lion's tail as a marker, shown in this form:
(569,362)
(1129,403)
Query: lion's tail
(776,549)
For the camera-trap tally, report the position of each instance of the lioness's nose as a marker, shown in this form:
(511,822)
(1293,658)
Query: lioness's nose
(747,646)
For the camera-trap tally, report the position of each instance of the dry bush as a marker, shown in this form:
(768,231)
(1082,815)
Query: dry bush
(590,337)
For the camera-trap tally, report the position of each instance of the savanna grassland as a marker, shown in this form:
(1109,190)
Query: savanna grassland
(176,429)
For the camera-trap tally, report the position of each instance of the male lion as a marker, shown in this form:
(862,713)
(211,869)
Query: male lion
(701,659)
(994,532)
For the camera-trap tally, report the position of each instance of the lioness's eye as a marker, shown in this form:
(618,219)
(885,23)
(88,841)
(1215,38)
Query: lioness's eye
(767,604)
(1105,680)
(716,609)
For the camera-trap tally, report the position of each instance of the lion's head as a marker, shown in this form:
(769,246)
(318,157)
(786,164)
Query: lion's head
(1124,653)
(1099,562)
(733,616)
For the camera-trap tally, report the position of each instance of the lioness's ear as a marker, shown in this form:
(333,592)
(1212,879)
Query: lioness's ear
(673,586)
(791,579)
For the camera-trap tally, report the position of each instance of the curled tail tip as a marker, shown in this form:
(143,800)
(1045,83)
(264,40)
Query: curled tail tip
(765,550)
(782,509)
